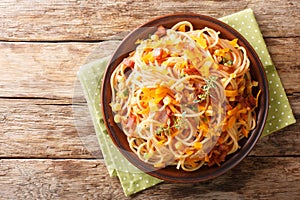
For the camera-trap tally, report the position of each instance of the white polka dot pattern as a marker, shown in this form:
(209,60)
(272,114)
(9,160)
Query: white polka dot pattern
(250,30)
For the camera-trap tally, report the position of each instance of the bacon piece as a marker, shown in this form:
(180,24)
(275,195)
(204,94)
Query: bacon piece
(158,53)
(131,121)
(252,100)
(191,71)
(129,63)
(226,68)
(161,31)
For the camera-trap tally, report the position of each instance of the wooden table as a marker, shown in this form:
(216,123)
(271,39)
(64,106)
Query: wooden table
(43,43)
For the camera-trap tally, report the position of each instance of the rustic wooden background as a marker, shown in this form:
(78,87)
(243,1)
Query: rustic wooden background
(43,43)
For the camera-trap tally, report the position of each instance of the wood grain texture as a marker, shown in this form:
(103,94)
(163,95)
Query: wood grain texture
(42,128)
(284,53)
(48,70)
(253,178)
(39,128)
(103,20)
(46,146)
(38,104)
(43,70)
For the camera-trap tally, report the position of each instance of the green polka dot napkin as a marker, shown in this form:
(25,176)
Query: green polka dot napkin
(280,113)
(131,178)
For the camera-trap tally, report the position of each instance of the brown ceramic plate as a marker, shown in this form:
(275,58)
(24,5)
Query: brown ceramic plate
(170,173)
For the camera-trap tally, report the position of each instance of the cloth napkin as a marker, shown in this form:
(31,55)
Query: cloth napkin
(132,179)
(280,113)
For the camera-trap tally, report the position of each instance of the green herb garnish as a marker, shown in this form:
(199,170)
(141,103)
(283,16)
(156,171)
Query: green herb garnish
(177,124)
(209,84)
(126,92)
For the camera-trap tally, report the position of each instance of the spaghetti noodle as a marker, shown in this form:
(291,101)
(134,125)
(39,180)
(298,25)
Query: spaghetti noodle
(184,97)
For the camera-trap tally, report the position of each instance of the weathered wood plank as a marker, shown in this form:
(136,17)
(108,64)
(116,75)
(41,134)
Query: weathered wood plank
(279,143)
(41,119)
(56,179)
(48,70)
(255,177)
(103,20)
(42,128)
(289,72)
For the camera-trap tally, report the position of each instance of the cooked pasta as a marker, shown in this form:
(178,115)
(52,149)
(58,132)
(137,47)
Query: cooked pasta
(184,97)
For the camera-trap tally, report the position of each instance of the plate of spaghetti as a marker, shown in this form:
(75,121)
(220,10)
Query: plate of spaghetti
(185,97)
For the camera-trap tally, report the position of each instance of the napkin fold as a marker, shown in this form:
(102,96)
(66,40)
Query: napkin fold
(132,179)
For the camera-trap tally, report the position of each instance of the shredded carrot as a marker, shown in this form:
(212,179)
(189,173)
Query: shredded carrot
(245,132)
(233,111)
(231,93)
(155,95)
(200,40)
(234,43)
(221,52)
(162,91)
(206,158)
(189,152)
(242,111)
(203,127)
(197,145)
(173,109)
(231,121)
(161,142)
(181,28)
(148,57)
